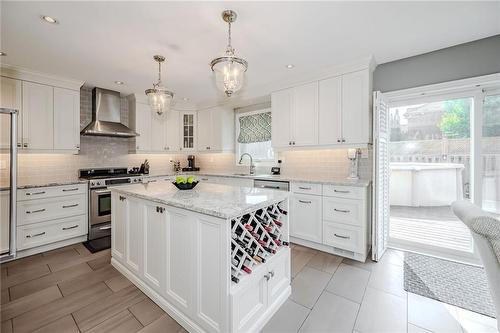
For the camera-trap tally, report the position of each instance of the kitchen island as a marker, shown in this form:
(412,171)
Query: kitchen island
(215,258)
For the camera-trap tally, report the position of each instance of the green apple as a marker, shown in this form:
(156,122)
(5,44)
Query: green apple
(180,180)
(190,179)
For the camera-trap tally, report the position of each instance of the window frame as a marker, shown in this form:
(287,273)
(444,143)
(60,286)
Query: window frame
(257,162)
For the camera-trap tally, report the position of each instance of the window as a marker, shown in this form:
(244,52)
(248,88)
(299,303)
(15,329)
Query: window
(253,135)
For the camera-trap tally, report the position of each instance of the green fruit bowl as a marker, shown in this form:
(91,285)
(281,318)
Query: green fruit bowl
(186,186)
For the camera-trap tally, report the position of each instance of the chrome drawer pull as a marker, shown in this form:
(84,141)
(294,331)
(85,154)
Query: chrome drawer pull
(73,227)
(303,201)
(70,189)
(341,210)
(343,237)
(35,235)
(105,228)
(122,198)
(273,187)
(35,193)
(70,206)
(339,191)
(304,188)
(35,211)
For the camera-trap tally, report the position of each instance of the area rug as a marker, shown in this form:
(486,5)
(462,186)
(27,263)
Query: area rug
(450,282)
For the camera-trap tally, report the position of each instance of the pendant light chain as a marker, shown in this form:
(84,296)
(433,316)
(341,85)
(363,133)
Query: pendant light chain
(159,73)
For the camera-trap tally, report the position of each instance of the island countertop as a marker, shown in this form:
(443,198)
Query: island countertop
(212,199)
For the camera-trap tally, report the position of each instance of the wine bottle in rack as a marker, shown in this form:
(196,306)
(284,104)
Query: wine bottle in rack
(246,269)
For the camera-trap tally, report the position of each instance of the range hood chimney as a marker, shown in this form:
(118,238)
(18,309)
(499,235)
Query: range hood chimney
(106,116)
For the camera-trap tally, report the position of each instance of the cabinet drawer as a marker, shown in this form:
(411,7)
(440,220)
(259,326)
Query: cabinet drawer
(48,232)
(279,271)
(348,192)
(49,192)
(306,188)
(346,211)
(343,236)
(33,211)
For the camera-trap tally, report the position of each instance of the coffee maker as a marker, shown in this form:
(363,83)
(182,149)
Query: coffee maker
(191,164)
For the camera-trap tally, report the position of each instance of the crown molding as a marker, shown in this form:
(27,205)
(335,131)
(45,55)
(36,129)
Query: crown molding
(24,74)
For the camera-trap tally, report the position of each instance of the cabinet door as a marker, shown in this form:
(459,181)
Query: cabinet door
(155,246)
(172,137)
(143,117)
(355,107)
(158,134)
(38,116)
(305,115)
(10,97)
(118,225)
(4,221)
(330,106)
(205,130)
(134,239)
(281,108)
(188,131)
(66,119)
(279,272)
(305,217)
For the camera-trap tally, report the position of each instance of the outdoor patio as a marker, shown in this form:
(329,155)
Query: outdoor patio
(432,226)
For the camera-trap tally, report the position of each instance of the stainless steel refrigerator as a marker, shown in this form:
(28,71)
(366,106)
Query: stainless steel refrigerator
(8,217)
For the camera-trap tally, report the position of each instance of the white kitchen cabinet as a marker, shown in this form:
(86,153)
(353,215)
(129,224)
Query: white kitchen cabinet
(66,119)
(38,116)
(330,111)
(281,110)
(356,119)
(295,116)
(305,222)
(172,143)
(134,237)
(215,130)
(154,244)
(158,133)
(120,213)
(140,121)
(4,221)
(10,97)
(188,133)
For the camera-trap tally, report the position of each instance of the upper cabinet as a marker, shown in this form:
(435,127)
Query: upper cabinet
(295,116)
(188,130)
(49,111)
(173,132)
(333,111)
(215,130)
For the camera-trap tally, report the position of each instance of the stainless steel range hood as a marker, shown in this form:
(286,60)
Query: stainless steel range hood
(106,116)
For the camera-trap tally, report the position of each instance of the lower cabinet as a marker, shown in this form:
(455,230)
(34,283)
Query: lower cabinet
(305,221)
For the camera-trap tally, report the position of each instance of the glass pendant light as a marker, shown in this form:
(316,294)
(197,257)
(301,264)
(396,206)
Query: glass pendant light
(229,70)
(160,99)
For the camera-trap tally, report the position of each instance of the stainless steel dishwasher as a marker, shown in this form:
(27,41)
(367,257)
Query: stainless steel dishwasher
(272,184)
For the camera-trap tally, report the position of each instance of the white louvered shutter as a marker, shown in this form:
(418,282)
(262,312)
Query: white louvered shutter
(381,176)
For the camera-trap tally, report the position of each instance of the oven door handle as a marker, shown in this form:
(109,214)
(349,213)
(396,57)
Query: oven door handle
(102,191)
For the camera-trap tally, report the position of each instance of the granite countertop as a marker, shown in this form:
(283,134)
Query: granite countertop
(302,178)
(212,199)
(46,184)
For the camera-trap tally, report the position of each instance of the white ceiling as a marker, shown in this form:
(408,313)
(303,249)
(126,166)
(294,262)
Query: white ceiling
(100,42)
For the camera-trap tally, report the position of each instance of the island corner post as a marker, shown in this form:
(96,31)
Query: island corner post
(214,265)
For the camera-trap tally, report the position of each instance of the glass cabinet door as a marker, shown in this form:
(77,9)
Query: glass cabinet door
(188,130)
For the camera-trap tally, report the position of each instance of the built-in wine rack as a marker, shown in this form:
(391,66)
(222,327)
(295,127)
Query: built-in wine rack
(255,237)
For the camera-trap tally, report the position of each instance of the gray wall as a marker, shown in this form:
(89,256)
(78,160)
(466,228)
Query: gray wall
(480,57)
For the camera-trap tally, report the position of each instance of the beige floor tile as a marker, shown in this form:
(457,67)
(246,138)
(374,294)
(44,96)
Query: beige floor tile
(146,311)
(123,322)
(432,315)
(6,326)
(25,275)
(287,319)
(349,282)
(54,267)
(65,324)
(82,250)
(103,309)
(163,325)
(29,302)
(389,278)
(101,262)
(82,281)
(381,312)
(5,296)
(331,313)
(367,265)
(59,308)
(118,283)
(46,281)
(300,257)
(325,262)
(392,256)
(308,286)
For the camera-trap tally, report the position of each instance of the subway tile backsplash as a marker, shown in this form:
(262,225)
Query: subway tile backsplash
(99,152)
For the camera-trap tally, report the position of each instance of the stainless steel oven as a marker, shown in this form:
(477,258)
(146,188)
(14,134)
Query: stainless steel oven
(100,213)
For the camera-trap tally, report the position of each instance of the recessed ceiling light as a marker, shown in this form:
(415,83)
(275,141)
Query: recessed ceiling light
(119,82)
(290,66)
(49,19)
(2,54)
(185,99)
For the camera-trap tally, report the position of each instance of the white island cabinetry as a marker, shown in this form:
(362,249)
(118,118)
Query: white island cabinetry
(182,249)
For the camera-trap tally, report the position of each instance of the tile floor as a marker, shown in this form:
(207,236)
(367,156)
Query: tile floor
(71,290)
(331,294)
